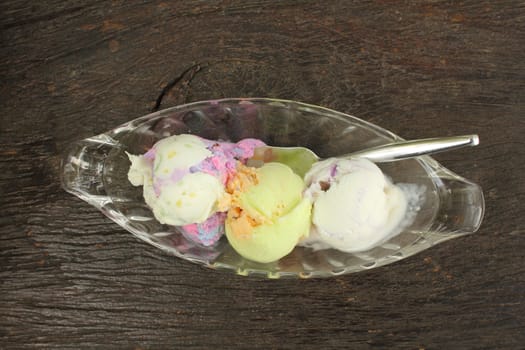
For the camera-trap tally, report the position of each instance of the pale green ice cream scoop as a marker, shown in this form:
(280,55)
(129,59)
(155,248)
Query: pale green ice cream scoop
(269,218)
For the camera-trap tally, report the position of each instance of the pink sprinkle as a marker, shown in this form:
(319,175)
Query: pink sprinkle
(217,163)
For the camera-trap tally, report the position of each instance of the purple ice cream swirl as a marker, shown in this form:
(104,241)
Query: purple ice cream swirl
(175,176)
(223,165)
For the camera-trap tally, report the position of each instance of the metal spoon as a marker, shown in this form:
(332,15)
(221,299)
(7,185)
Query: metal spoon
(301,159)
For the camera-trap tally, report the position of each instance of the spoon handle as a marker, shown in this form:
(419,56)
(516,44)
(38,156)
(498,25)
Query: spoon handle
(410,149)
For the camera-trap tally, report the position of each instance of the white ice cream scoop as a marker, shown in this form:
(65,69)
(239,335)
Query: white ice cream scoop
(355,206)
(176,196)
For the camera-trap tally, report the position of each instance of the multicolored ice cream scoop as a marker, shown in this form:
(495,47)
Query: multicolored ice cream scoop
(184,178)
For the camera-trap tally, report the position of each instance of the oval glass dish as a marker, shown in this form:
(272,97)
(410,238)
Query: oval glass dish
(444,205)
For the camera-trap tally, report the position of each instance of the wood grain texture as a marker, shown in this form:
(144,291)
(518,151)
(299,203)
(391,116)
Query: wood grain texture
(70,278)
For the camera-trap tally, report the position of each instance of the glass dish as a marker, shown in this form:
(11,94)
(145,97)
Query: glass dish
(95,169)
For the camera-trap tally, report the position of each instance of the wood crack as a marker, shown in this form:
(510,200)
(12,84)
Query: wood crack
(184,78)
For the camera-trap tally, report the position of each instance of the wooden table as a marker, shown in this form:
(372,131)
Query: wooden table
(70,278)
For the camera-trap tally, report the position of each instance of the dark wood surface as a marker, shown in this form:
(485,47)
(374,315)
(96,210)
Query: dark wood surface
(70,278)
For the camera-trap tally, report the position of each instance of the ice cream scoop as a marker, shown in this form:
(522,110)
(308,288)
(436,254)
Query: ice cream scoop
(355,206)
(179,196)
(301,159)
(268,214)
(184,178)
